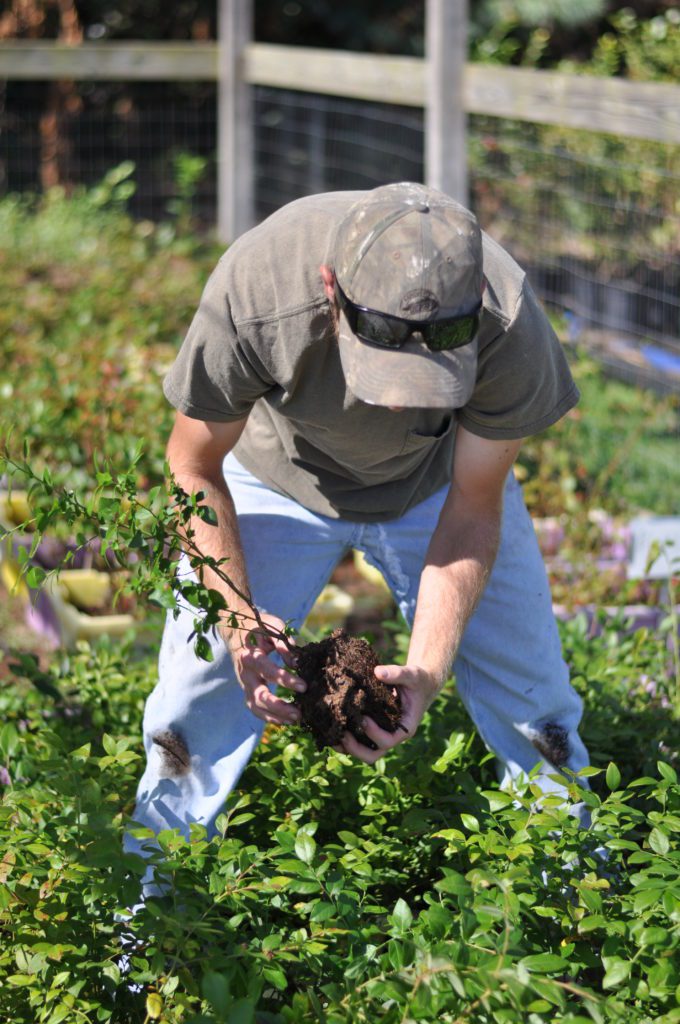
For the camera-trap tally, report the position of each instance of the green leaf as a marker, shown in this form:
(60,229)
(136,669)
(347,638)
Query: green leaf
(242,1011)
(497,799)
(349,839)
(654,936)
(617,971)
(203,649)
(645,899)
(109,744)
(401,915)
(470,822)
(9,741)
(543,963)
(666,772)
(207,515)
(590,924)
(395,953)
(452,835)
(35,577)
(305,847)
(61,1012)
(454,748)
(452,882)
(82,753)
(613,776)
(322,912)
(163,596)
(154,1005)
(659,841)
(216,991)
(276,976)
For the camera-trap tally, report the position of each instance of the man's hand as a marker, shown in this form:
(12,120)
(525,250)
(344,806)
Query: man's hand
(250,651)
(417,690)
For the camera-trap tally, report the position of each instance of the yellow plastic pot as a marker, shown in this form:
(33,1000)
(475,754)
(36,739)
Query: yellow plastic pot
(86,588)
(332,607)
(77,625)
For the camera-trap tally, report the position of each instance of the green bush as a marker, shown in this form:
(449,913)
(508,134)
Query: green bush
(93,307)
(617,450)
(338,892)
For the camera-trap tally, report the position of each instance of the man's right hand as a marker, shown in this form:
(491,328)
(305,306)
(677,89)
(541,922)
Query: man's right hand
(250,651)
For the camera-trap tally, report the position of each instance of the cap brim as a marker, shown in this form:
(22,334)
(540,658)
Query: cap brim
(412,376)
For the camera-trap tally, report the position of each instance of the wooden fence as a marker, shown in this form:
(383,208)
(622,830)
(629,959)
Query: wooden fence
(442,83)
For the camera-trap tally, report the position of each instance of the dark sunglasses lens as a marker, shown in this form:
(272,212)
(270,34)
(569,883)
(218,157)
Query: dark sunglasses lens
(445,336)
(374,328)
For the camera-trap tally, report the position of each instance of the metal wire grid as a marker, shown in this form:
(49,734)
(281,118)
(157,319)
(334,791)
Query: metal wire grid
(594,220)
(148,123)
(307,144)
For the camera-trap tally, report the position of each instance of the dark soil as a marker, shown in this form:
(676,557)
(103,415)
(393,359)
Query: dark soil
(342,689)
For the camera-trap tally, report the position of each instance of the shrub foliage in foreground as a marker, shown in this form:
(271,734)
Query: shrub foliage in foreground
(413,891)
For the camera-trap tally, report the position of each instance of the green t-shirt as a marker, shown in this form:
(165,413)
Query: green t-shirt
(263,344)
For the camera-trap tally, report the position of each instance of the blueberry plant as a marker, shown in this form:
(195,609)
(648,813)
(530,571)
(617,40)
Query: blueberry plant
(415,890)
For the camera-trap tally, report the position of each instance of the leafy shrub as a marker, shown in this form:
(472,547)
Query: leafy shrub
(336,892)
(616,450)
(92,309)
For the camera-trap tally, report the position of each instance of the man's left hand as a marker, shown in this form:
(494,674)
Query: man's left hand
(417,690)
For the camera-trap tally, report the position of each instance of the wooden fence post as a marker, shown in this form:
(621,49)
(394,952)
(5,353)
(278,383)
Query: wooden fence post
(235,134)
(445,134)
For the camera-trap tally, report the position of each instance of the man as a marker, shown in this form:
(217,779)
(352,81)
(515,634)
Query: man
(360,373)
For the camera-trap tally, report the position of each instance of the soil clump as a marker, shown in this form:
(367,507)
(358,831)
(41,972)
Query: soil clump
(342,689)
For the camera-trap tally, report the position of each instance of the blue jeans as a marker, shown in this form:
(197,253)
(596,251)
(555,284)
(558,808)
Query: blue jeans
(510,674)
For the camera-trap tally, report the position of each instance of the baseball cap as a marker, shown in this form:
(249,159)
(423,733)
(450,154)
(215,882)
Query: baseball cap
(412,252)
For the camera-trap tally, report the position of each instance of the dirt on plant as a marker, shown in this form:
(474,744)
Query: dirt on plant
(342,688)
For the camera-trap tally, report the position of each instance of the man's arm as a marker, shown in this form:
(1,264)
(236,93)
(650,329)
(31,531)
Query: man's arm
(457,565)
(195,452)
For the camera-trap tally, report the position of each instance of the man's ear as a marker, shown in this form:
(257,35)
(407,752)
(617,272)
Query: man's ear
(328,278)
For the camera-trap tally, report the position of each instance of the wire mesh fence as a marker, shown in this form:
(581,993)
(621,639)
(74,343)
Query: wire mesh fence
(307,144)
(594,219)
(102,124)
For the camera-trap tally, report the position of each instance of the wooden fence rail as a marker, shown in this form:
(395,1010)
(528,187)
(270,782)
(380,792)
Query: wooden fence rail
(646,110)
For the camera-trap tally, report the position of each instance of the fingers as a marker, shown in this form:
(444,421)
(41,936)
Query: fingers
(393,675)
(351,746)
(258,674)
(384,741)
(269,708)
(253,663)
(283,649)
(418,688)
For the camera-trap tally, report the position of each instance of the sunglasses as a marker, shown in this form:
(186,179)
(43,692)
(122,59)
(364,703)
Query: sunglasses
(393,331)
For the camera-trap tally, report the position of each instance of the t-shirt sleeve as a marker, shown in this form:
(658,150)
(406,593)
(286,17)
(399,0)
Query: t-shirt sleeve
(524,383)
(216,375)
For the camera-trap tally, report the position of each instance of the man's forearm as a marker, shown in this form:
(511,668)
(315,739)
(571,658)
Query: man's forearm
(221,541)
(457,566)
